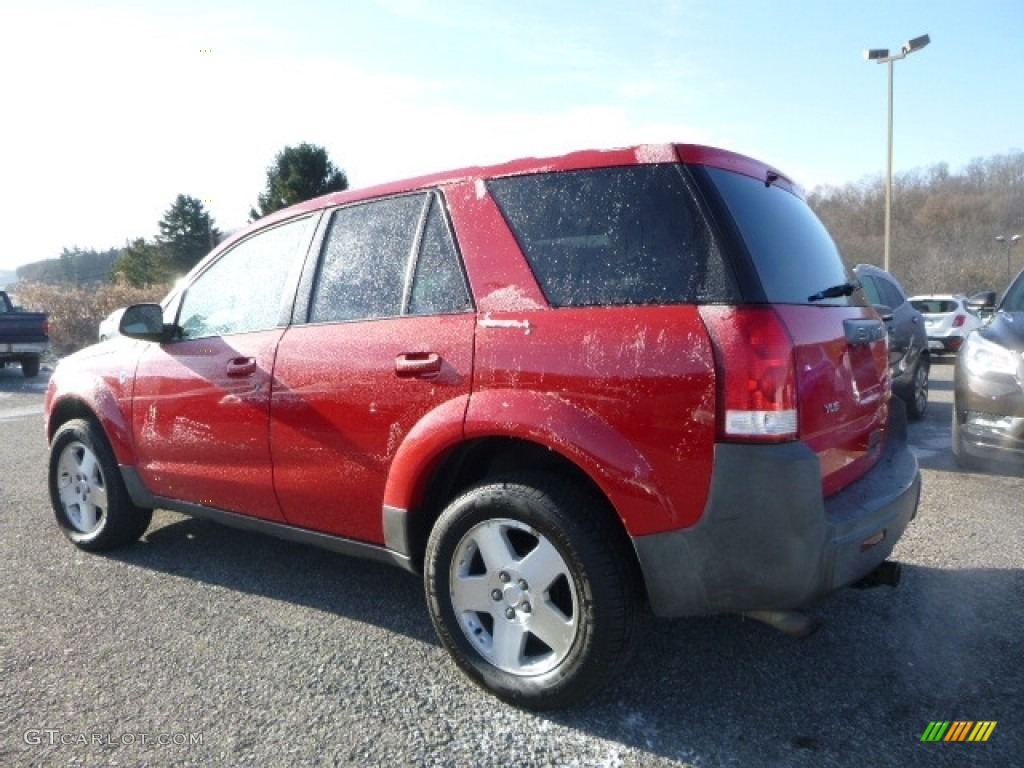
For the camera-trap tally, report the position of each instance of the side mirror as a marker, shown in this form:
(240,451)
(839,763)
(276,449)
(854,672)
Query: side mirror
(145,322)
(983,304)
(982,300)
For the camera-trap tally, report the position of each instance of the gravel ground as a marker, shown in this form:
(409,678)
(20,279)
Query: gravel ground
(204,646)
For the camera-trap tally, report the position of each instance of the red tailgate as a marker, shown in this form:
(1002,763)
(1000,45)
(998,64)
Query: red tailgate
(843,383)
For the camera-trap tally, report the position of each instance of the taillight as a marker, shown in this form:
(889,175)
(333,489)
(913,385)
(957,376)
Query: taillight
(959,320)
(757,397)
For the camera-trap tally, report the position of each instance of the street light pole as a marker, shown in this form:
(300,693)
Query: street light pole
(888,173)
(1009,241)
(882,56)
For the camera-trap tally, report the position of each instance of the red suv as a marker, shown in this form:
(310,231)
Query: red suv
(557,388)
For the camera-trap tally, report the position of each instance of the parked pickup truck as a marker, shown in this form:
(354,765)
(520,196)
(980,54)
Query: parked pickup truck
(24,336)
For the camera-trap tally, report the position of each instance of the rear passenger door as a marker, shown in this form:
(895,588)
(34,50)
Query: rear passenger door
(384,336)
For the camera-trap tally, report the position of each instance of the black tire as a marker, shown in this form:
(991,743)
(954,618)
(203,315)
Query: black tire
(30,367)
(539,645)
(87,493)
(916,394)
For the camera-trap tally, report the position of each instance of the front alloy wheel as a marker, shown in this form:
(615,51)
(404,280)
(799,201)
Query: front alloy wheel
(82,487)
(87,493)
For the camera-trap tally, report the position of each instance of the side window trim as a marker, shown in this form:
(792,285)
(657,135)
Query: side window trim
(459,260)
(311,271)
(414,254)
(290,294)
(439,209)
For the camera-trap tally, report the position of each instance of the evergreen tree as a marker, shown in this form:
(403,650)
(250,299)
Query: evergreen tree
(298,173)
(186,235)
(141,264)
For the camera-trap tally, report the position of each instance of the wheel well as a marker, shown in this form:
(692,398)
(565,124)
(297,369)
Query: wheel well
(477,460)
(64,412)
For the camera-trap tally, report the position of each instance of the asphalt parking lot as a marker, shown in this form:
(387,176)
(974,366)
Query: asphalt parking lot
(205,646)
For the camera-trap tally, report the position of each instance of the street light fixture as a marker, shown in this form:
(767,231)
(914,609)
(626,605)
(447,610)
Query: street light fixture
(1009,244)
(882,56)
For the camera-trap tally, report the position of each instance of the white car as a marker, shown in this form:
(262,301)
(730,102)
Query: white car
(947,320)
(109,325)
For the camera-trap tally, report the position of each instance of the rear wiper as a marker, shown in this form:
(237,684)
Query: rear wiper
(845,289)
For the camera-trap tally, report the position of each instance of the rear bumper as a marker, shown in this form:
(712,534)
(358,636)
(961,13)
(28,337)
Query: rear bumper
(17,349)
(768,540)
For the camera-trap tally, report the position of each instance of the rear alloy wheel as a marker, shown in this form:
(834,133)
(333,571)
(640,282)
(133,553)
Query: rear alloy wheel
(917,402)
(87,493)
(528,591)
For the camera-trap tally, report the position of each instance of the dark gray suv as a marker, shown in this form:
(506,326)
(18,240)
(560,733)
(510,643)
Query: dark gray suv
(909,358)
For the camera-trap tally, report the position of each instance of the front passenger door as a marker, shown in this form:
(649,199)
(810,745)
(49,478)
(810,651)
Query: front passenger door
(201,402)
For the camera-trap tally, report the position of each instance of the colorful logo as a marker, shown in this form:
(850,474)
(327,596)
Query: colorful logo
(958,730)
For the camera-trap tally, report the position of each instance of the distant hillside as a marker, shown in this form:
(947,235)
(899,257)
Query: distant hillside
(76,266)
(944,224)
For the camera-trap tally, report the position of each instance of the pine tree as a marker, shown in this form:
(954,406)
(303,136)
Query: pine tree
(140,264)
(187,234)
(298,173)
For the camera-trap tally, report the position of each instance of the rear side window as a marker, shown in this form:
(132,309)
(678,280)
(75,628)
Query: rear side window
(793,253)
(629,235)
(365,257)
(389,257)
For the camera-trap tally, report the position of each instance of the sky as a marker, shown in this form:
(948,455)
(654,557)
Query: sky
(109,110)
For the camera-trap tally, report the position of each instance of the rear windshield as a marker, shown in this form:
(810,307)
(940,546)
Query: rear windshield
(793,253)
(934,306)
(613,236)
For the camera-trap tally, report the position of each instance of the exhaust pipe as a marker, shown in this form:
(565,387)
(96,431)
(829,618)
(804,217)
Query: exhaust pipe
(796,625)
(886,574)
